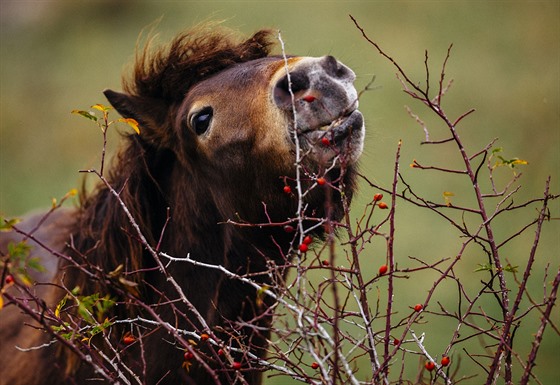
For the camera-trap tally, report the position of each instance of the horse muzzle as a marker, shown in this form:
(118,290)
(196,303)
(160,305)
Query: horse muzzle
(320,102)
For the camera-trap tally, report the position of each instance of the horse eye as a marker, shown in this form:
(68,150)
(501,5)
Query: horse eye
(200,121)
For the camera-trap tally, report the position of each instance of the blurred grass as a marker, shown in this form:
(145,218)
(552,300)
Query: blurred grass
(57,56)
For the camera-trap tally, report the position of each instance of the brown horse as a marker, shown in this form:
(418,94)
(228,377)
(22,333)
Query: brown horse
(225,127)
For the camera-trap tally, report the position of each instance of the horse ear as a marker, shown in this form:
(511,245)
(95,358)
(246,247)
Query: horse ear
(149,113)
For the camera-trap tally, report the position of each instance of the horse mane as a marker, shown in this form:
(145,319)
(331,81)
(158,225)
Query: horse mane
(104,235)
(168,72)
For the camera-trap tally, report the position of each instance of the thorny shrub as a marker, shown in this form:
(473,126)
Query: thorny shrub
(332,322)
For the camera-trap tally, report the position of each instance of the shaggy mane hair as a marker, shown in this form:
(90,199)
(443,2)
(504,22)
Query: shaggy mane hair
(168,73)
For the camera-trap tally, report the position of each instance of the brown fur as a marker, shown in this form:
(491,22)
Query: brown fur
(234,172)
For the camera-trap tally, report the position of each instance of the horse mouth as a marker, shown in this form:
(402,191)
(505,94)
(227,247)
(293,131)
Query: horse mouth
(341,137)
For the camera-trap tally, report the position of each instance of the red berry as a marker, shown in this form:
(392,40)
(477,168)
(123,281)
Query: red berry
(445,360)
(383,269)
(325,141)
(430,366)
(303,248)
(309,98)
(220,352)
(307,240)
(418,307)
(236,365)
(321,181)
(204,337)
(382,205)
(289,229)
(314,365)
(325,262)
(9,279)
(188,356)
(396,342)
(128,339)
(287,189)
(377,197)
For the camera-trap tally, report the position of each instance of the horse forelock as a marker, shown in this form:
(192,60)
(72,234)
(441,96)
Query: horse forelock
(168,72)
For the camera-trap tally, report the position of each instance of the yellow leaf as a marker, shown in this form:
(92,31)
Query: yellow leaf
(260,295)
(101,107)
(53,203)
(73,192)
(132,123)
(446,197)
(59,307)
(519,161)
(1,301)
(26,280)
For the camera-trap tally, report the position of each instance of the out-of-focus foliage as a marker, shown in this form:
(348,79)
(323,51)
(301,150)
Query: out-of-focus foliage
(57,56)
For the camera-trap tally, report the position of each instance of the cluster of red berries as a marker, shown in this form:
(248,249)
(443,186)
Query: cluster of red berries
(189,355)
(377,198)
(430,365)
(304,246)
(321,181)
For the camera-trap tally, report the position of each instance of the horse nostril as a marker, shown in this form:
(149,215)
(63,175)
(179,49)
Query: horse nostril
(298,81)
(334,68)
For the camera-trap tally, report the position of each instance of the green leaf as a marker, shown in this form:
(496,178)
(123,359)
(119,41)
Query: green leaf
(18,251)
(511,269)
(85,114)
(497,149)
(35,264)
(483,267)
(8,224)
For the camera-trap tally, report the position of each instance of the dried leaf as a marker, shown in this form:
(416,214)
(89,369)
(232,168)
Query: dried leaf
(117,272)
(131,287)
(187,366)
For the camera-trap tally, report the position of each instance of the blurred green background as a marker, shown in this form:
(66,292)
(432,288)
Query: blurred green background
(57,56)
